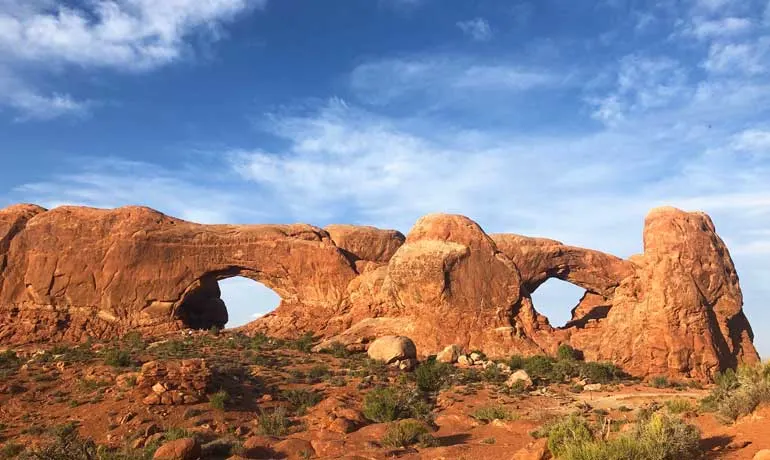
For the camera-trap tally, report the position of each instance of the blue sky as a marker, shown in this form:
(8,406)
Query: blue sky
(562,119)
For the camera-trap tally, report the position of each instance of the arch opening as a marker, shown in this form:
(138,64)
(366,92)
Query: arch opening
(557,300)
(225,300)
(246,300)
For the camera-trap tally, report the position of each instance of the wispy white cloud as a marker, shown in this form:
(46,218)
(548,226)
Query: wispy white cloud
(125,35)
(477,29)
(29,104)
(704,28)
(443,79)
(749,57)
(641,84)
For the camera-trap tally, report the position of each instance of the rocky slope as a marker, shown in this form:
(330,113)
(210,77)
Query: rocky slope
(676,309)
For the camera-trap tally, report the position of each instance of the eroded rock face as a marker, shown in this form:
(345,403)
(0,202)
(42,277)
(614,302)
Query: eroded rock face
(74,272)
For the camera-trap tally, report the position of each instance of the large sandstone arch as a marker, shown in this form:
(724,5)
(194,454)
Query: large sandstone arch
(676,309)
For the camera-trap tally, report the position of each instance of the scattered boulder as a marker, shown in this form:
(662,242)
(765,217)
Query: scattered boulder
(180,449)
(392,348)
(519,376)
(464,361)
(763,454)
(449,354)
(592,387)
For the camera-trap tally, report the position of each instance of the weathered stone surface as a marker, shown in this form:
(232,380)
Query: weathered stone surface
(449,354)
(181,449)
(681,313)
(174,382)
(676,309)
(519,376)
(366,243)
(72,272)
(391,349)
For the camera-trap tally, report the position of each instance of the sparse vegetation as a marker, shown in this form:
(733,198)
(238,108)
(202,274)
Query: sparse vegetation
(738,393)
(568,365)
(567,353)
(9,363)
(116,357)
(384,405)
(301,400)
(273,423)
(11,450)
(388,404)
(430,376)
(660,382)
(219,399)
(657,437)
(304,343)
(490,413)
(679,406)
(406,433)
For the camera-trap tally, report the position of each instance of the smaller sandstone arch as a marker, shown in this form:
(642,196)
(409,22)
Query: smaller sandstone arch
(557,299)
(201,305)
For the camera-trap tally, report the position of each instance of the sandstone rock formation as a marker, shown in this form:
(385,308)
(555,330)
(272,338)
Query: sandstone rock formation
(676,309)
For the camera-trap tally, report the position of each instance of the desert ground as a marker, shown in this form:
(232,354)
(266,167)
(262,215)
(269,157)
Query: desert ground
(221,394)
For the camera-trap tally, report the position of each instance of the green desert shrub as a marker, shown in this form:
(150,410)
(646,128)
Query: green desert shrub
(432,375)
(384,405)
(490,413)
(567,353)
(660,382)
(116,357)
(219,399)
(388,404)
(539,367)
(657,437)
(678,406)
(273,423)
(9,363)
(301,400)
(303,343)
(738,393)
(599,372)
(406,433)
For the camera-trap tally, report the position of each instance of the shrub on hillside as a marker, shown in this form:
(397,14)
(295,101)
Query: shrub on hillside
(431,375)
(407,433)
(738,393)
(657,437)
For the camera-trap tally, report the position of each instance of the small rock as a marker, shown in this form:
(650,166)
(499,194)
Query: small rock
(475,357)
(592,387)
(391,348)
(504,368)
(519,376)
(266,397)
(407,364)
(127,418)
(159,388)
(449,354)
(181,449)
(464,361)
